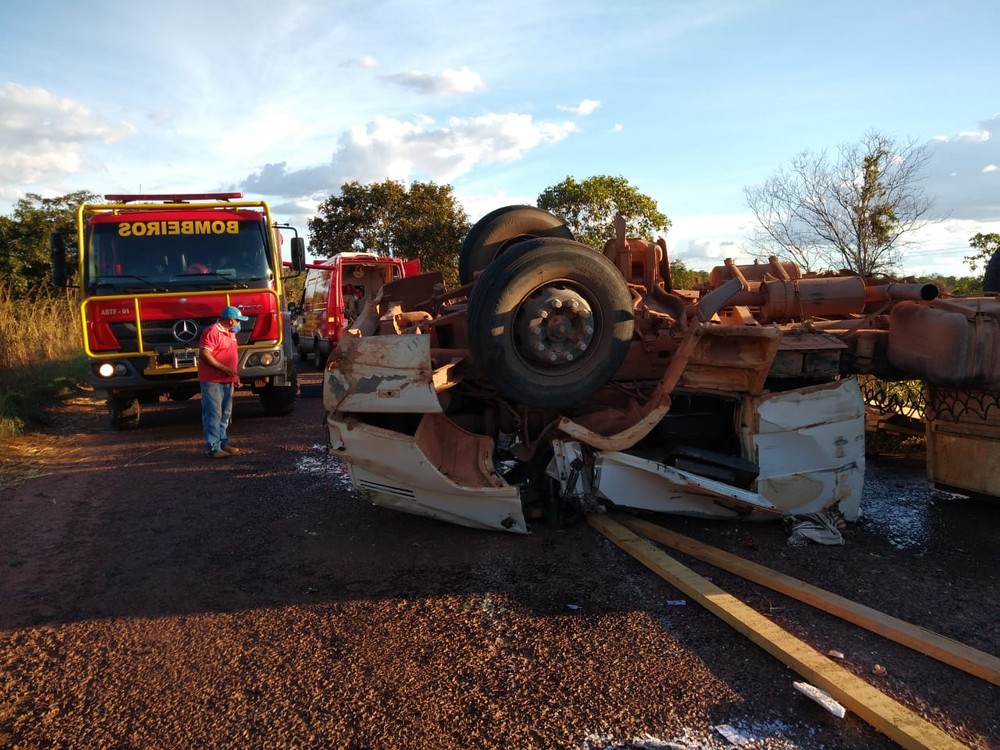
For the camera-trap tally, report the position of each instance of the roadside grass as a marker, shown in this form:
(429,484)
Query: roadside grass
(40,358)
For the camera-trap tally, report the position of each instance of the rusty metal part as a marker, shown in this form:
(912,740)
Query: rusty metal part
(557,325)
(756,272)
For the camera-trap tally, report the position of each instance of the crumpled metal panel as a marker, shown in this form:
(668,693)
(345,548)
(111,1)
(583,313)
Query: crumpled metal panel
(382,374)
(807,442)
(391,470)
(632,482)
(810,446)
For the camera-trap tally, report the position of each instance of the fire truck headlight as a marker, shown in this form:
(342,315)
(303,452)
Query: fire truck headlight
(263,359)
(106,370)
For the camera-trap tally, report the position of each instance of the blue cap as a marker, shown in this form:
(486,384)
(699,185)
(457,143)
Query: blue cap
(233,313)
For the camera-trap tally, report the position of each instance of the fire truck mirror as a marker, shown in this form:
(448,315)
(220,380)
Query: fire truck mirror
(57,246)
(298,254)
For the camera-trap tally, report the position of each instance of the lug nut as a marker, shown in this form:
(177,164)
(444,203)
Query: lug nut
(555,304)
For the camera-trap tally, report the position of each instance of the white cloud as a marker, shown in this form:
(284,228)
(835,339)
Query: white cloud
(962,176)
(462,81)
(617,127)
(941,247)
(42,136)
(703,242)
(388,148)
(584,108)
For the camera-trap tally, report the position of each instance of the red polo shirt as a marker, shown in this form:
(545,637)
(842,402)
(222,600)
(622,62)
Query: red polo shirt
(222,345)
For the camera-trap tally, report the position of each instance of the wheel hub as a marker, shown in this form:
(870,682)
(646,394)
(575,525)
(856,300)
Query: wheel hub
(557,327)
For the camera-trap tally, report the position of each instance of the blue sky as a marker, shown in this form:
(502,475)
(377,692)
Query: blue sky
(689,101)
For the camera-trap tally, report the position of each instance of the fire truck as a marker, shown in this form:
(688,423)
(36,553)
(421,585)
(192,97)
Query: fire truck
(334,294)
(156,270)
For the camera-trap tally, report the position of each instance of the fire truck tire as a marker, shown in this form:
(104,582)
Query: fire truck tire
(123,412)
(991,279)
(550,322)
(499,230)
(278,401)
(321,356)
(303,354)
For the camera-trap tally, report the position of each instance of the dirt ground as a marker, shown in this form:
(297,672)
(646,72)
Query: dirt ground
(152,598)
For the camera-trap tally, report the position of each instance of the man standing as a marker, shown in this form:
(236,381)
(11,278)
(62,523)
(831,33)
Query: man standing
(218,359)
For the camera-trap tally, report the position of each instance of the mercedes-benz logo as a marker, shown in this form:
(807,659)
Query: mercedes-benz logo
(185,330)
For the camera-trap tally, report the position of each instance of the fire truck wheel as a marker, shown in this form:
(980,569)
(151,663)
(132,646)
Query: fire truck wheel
(303,354)
(123,412)
(549,322)
(278,401)
(991,279)
(320,356)
(502,228)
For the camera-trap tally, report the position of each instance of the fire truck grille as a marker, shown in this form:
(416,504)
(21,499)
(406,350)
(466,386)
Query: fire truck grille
(166,335)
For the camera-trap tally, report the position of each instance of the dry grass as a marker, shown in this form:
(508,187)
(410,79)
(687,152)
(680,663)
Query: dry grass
(41,357)
(37,328)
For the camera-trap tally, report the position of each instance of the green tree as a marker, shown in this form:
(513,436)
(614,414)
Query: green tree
(424,221)
(850,212)
(955,285)
(25,257)
(986,246)
(589,208)
(683,277)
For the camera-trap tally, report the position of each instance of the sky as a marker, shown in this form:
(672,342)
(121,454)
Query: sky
(691,102)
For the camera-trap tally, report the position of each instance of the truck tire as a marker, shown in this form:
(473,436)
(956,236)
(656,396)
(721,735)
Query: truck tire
(501,228)
(321,356)
(123,412)
(991,279)
(549,322)
(278,400)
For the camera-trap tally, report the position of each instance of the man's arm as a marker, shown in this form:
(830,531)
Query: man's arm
(209,358)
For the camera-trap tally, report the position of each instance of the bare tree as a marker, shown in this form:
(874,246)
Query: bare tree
(851,212)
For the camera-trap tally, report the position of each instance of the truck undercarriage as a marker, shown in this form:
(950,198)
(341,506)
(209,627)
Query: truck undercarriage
(559,379)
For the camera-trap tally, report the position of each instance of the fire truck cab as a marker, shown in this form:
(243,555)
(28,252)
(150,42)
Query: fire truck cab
(156,270)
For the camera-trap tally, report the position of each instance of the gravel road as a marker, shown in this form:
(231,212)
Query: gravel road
(152,598)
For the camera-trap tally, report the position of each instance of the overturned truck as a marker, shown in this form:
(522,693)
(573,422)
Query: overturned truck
(558,379)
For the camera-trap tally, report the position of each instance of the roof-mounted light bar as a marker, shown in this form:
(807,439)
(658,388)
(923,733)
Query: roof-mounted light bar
(172,197)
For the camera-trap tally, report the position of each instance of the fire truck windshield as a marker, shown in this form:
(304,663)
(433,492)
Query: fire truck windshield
(136,256)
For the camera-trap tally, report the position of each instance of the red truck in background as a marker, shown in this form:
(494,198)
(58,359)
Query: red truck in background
(334,294)
(155,270)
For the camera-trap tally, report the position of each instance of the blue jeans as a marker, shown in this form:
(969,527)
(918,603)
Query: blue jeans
(216,409)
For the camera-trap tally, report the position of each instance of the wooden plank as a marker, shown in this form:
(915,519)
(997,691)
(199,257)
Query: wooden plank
(885,714)
(920,639)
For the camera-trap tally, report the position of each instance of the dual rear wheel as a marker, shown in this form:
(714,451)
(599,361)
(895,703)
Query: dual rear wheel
(550,319)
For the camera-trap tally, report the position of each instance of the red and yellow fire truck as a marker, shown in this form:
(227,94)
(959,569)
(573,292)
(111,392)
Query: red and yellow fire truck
(155,270)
